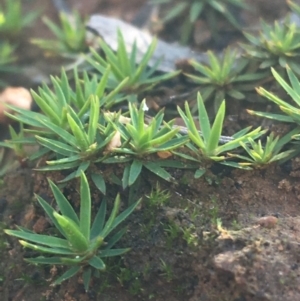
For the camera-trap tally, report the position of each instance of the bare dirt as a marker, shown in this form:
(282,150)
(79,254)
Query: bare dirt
(243,226)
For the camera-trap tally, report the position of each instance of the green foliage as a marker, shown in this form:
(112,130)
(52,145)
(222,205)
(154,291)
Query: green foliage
(126,65)
(293,6)
(7,162)
(166,271)
(188,12)
(131,279)
(54,103)
(226,76)
(140,140)
(81,144)
(143,139)
(190,235)
(292,113)
(11,160)
(84,244)
(172,232)
(259,155)
(71,129)
(18,148)
(208,141)
(276,46)
(6,55)
(158,197)
(70,36)
(12,19)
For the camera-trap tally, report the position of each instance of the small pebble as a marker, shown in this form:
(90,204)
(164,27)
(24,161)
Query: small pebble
(16,96)
(267,221)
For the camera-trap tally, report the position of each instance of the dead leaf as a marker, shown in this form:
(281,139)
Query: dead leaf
(164,154)
(115,142)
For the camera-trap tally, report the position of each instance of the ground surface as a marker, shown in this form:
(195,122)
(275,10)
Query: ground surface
(253,255)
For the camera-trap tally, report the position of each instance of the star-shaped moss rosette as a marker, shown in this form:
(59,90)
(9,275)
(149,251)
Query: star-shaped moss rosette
(188,12)
(275,46)
(139,140)
(84,245)
(71,36)
(224,77)
(125,65)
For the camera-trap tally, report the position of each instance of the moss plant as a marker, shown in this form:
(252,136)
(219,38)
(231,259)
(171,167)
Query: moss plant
(206,144)
(83,245)
(188,12)
(79,132)
(12,19)
(259,156)
(275,46)
(71,36)
(70,128)
(224,78)
(125,64)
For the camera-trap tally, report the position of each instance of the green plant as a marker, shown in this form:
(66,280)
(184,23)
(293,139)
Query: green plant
(292,113)
(7,163)
(12,20)
(213,211)
(259,155)
(70,36)
(293,6)
(276,45)
(82,145)
(128,65)
(208,140)
(167,272)
(226,76)
(236,226)
(158,197)
(144,139)
(131,279)
(84,245)
(172,232)
(54,102)
(191,11)
(71,128)
(190,235)
(18,148)
(6,56)
(139,140)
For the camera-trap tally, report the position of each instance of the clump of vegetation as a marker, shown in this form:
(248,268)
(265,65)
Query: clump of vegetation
(85,244)
(127,65)
(12,23)
(191,11)
(259,155)
(15,143)
(7,163)
(71,36)
(276,45)
(7,59)
(7,56)
(291,112)
(140,140)
(291,115)
(206,144)
(80,129)
(70,125)
(225,77)
(12,19)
